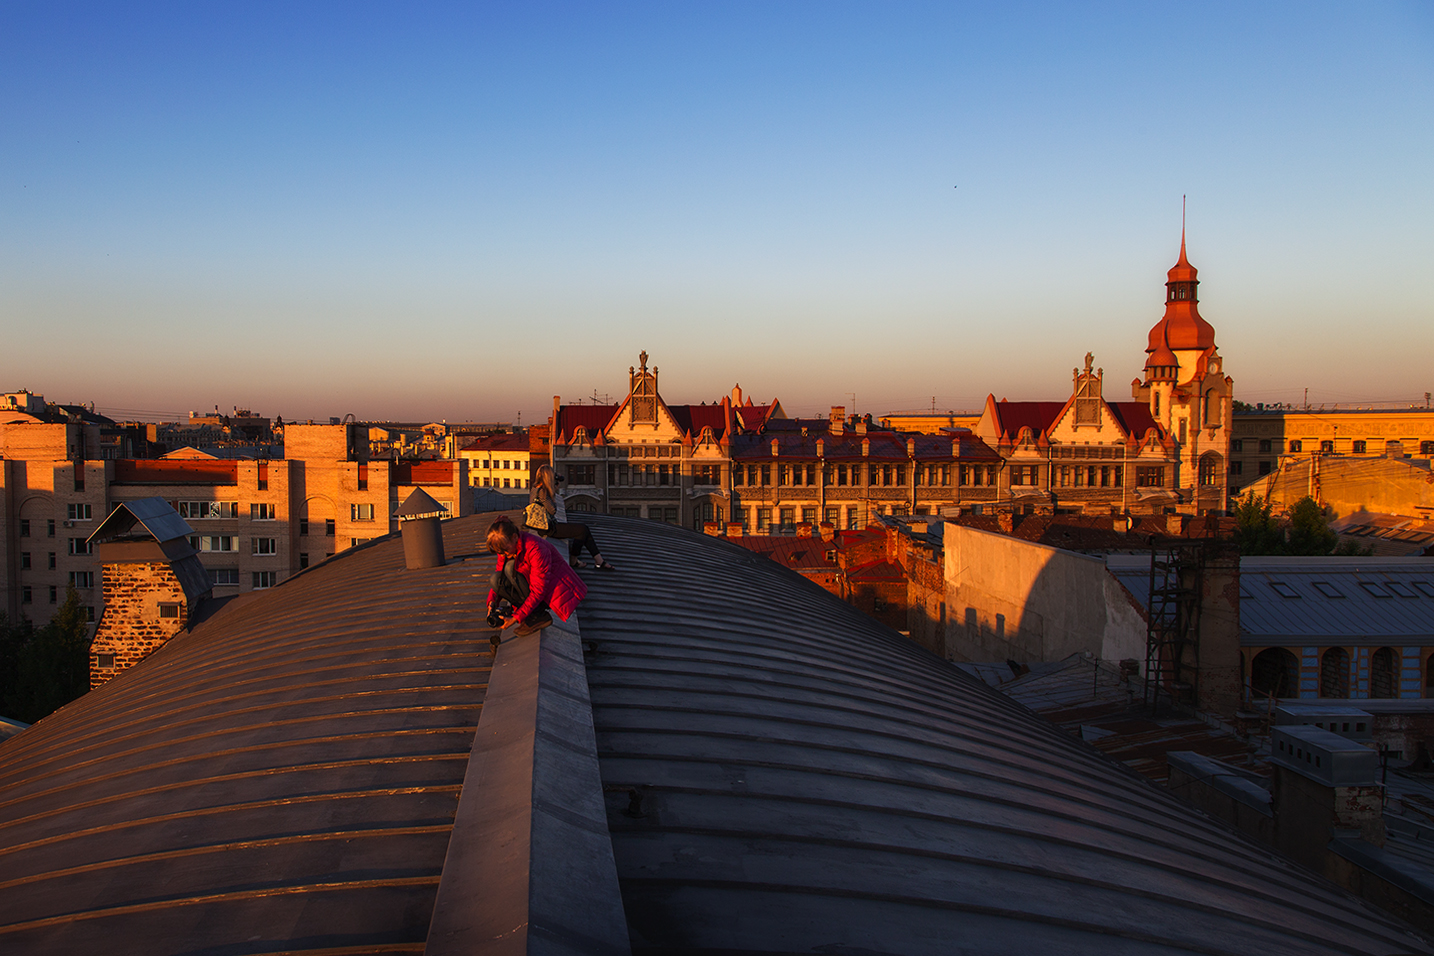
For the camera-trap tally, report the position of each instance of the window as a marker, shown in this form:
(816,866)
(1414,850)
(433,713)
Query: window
(355,542)
(205,510)
(224,577)
(78,512)
(50,528)
(1237,444)
(582,474)
(1029,474)
(1209,468)
(82,579)
(507,463)
(263,513)
(1284,590)
(766,475)
(1150,477)
(52,560)
(263,476)
(54,594)
(168,609)
(1265,446)
(1296,446)
(1237,467)
(303,526)
(329,527)
(80,546)
(105,660)
(1374,589)
(303,560)
(265,546)
(1327,589)
(738,473)
(24,560)
(265,579)
(24,527)
(1357,446)
(789,517)
(1426,448)
(809,516)
(1326,448)
(26,594)
(213,542)
(360,512)
(831,516)
(1264,468)
(764,519)
(363,476)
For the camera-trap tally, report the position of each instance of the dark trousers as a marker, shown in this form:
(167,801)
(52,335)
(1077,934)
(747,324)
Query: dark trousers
(512,586)
(578,537)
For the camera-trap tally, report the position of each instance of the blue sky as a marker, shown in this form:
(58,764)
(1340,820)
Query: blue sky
(459,210)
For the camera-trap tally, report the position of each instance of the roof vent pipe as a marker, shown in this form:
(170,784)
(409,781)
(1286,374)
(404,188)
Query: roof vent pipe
(422,537)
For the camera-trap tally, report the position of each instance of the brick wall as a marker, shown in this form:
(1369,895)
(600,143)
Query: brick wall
(131,627)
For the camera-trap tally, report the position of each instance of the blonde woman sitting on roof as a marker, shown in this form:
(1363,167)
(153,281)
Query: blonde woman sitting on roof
(579,536)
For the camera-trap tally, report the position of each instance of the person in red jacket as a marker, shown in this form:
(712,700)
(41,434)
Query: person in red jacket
(532,577)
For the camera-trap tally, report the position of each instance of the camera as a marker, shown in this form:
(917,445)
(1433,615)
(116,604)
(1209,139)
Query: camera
(495,617)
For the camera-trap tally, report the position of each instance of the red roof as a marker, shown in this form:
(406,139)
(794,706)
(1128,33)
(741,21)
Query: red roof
(1134,417)
(595,418)
(504,441)
(1011,417)
(693,418)
(1181,327)
(876,571)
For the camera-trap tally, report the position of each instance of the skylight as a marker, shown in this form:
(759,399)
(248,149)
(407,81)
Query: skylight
(1283,590)
(1400,588)
(1328,590)
(1424,588)
(1374,589)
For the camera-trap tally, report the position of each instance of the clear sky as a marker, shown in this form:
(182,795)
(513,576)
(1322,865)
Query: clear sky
(430,210)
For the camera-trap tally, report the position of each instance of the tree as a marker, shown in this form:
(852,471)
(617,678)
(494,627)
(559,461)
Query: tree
(1309,531)
(1256,529)
(44,668)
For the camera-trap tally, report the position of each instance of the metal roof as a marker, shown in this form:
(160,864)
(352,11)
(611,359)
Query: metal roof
(283,777)
(1360,600)
(781,774)
(154,514)
(785,775)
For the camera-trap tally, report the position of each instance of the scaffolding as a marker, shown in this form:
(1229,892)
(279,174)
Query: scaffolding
(1172,646)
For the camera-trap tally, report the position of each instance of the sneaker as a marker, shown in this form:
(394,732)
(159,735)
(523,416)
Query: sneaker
(535,623)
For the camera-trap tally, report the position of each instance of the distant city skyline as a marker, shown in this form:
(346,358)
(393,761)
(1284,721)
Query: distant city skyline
(456,211)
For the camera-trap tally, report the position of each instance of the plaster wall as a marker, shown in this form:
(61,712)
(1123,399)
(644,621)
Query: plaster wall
(1008,598)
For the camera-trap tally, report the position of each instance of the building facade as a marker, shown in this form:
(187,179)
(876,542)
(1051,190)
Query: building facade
(1265,439)
(255,522)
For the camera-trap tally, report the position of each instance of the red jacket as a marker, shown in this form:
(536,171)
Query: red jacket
(550,579)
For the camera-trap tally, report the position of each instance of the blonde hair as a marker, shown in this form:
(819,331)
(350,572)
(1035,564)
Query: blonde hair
(502,535)
(546,479)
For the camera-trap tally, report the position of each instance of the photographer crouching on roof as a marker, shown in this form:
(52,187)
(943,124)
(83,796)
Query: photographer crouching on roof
(532,577)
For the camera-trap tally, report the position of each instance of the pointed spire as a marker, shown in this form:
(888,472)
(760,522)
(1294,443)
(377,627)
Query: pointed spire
(1183,260)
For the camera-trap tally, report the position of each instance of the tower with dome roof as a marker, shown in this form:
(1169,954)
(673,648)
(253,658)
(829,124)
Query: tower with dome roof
(1188,393)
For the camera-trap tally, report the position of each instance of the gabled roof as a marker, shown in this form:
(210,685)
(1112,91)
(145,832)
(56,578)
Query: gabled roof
(595,418)
(1134,418)
(154,515)
(693,418)
(1011,417)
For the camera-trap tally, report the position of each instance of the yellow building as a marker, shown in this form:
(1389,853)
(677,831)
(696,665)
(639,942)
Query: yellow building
(499,461)
(1265,439)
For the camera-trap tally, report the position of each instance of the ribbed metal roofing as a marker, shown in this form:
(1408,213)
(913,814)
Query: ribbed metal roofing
(784,775)
(283,778)
(1349,601)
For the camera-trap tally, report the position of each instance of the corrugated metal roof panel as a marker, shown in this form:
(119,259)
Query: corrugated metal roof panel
(1342,600)
(786,775)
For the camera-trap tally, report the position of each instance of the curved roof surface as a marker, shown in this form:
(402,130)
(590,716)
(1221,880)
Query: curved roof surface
(781,774)
(785,775)
(282,778)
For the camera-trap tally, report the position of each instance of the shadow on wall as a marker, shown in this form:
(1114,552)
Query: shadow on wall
(1013,599)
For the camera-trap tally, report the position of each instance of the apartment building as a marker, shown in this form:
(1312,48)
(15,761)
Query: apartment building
(1266,437)
(254,522)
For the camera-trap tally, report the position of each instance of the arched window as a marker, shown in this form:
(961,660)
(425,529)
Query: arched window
(1275,672)
(1383,682)
(1334,673)
(1209,469)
